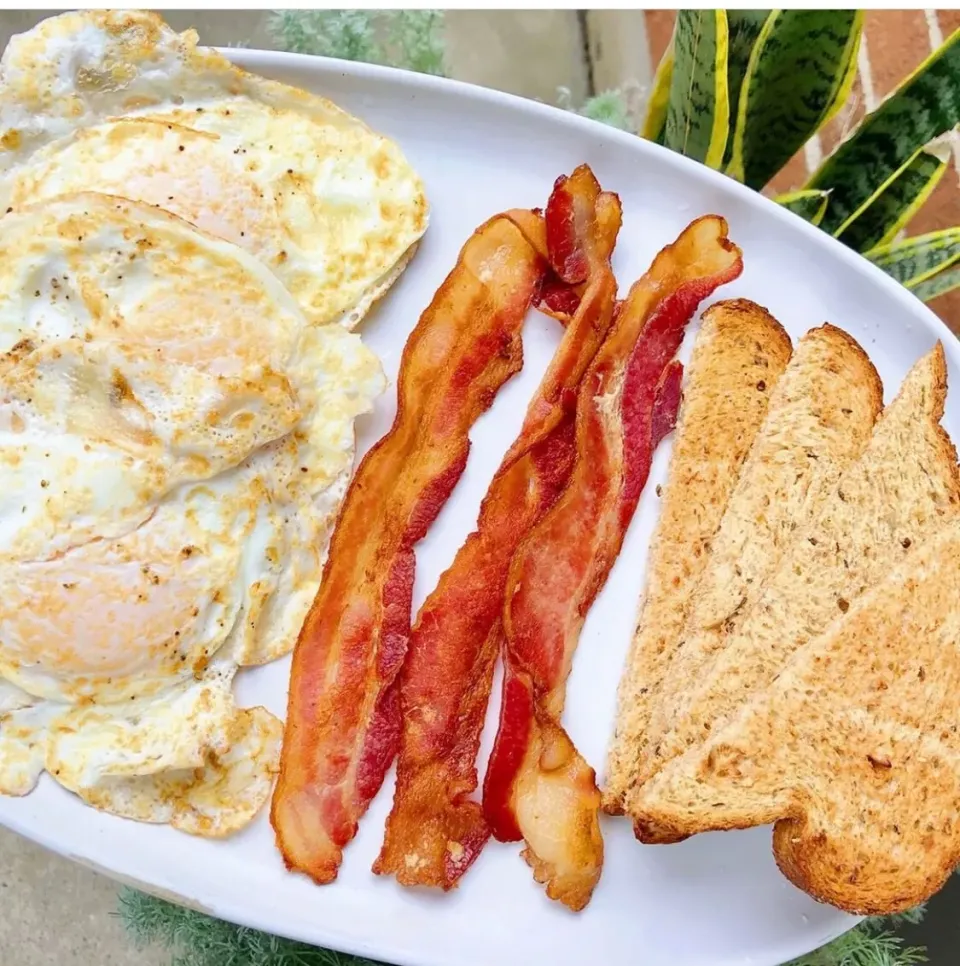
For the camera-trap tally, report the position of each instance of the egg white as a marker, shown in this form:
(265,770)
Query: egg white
(119,102)
(175,438)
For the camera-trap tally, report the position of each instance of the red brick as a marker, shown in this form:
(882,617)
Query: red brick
(659,32)
(942,209)
(897,40)
(949,21)
(791,176)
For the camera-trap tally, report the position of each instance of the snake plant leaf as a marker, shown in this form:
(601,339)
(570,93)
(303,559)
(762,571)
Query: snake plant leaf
(743,27)
(920,258)
(800,72)
(656,118)
(807,203)
(698,114)
(879,222)
(924,106)
(939,284)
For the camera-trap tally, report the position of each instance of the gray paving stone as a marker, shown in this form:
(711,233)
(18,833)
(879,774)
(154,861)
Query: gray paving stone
(57,913)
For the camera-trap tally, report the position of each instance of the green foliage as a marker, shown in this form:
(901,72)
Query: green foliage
(924,106)
(416,36)
(609,108)
(912,917)
(919,258)
(198,940)
(397,38)
(782,75)
(808,204)
(890,209)
(939,284)
(801,68)
(348,34)
(869,944)
(698,113)
(655,123)
(743,27)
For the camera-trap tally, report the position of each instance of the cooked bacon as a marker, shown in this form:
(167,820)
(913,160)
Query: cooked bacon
(343,715)
(558,299)
(666,406)
(435,831)
(538,787)
(569,220)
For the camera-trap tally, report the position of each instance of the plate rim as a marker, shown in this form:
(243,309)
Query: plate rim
(259,61)
(224,906)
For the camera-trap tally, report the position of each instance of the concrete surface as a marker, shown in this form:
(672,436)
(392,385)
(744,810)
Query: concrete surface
(618,51)
(56,912)
(528,52)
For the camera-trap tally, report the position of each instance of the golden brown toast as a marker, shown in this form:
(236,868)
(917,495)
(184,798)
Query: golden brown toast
(853,751)
(739,355)
(901,492)
(820,420)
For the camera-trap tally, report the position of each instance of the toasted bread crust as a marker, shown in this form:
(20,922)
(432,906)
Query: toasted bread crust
(811,864)
(887,504)
(819,422)
(862,781)
(739,355)
(848,738)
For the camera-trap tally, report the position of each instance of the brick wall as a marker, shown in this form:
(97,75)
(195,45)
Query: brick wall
(894,42)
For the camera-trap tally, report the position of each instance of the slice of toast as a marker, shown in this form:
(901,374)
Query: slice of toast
(854,751)
(739,355)
(820,420)
(894,499)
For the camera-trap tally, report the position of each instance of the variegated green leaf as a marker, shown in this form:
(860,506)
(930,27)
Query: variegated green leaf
(698,115)
(799,73)
(743,28)
(926,105)
(939,284)
(916,259)
(808,204)
(656,120)
(880,221)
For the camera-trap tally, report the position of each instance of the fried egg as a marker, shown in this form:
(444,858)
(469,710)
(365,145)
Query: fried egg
(118,102)
(175,438)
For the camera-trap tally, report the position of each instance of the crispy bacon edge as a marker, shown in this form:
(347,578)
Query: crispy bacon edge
(537,786)
(435,831)
(343,714)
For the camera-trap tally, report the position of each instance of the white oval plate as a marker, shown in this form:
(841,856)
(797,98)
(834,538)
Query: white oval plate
(716,899)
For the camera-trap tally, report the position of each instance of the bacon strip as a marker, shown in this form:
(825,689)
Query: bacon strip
(663,419)
(435,831)
(538,787)
(343,716)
